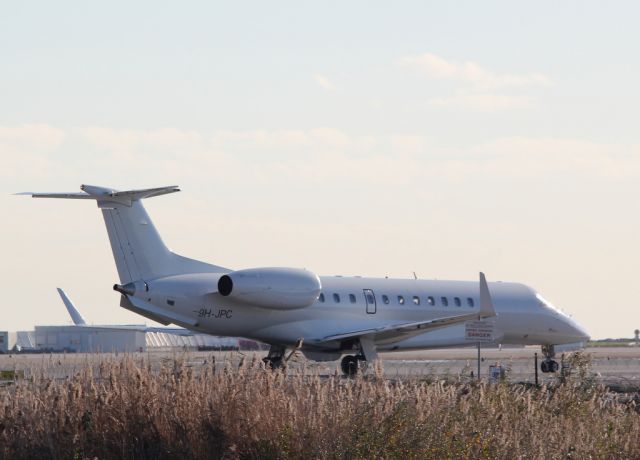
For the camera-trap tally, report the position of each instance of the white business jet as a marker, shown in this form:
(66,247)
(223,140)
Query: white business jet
(325,317)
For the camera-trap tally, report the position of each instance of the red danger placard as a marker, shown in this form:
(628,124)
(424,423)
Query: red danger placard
(479,331)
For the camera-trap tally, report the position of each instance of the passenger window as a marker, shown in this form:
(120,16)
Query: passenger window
(352,298)
(416,300)
(336,298)
(385,299)
(444,301)
(370,299)
(401,300)
(457,301)
(470,301)
(431,300)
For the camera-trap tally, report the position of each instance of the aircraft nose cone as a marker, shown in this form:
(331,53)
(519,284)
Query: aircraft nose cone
(577,331)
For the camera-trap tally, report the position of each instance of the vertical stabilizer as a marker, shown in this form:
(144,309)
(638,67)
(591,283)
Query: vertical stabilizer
(138,249)
(77,318)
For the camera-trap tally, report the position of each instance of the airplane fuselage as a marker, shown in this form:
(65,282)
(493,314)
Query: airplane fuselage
(345,303)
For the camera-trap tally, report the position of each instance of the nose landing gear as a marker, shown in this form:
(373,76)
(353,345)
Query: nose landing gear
(549,364)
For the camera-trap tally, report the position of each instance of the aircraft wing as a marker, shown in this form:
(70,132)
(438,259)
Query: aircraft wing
(395,332)
(401,331)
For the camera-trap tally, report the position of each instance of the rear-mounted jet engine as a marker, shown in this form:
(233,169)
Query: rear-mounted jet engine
(279,288)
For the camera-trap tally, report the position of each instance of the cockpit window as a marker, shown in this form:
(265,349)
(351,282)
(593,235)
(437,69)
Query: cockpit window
(545,303)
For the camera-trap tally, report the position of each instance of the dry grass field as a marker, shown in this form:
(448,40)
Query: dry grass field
(128,407)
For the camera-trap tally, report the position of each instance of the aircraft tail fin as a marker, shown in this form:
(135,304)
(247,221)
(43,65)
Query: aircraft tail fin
(138,249)
(77,318)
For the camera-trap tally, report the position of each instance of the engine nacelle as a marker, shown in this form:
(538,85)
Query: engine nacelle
(279,288)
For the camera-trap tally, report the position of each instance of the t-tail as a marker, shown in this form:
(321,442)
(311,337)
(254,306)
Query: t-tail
(138,250)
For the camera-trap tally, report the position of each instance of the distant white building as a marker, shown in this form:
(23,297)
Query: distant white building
(25,340)
(108,339)
(85,339)
(7,341)
(157,341)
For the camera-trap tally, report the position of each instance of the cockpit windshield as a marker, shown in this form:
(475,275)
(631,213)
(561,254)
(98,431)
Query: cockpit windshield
(545,303)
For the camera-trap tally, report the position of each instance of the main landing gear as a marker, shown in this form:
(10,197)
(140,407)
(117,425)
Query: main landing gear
(275,357)
(549,364)
(351,363)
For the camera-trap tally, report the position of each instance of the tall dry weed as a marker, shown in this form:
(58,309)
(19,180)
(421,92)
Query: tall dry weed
(123,408)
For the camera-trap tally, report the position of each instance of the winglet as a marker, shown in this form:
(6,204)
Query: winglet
(77,318)
(486,303)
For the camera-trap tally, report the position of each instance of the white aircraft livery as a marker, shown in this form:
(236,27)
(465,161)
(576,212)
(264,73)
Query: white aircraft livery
(325,317)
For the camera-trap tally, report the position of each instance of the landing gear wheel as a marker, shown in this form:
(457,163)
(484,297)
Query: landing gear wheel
(272,363)
(275,357)
(349,365)
(549,365)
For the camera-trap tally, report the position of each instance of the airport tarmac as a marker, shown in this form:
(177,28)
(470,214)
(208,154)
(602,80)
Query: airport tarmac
(611,365)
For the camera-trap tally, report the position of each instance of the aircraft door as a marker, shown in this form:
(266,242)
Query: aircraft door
(370,300)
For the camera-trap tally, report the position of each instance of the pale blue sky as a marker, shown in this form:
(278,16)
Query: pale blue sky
(354,137)
(247,64)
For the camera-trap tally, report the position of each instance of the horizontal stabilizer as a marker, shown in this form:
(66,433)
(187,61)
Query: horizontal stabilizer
(138,249)
(104,194)
(70,195)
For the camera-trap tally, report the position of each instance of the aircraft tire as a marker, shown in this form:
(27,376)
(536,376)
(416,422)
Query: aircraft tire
(272,363)
(549,365)
(349,365)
